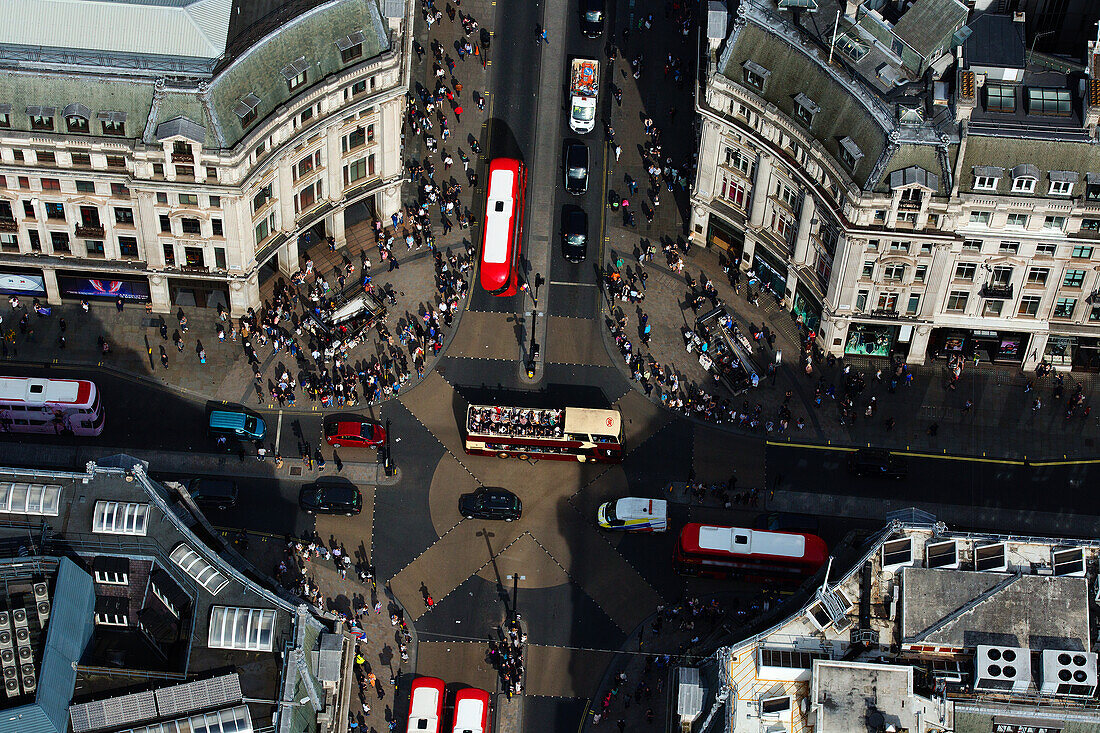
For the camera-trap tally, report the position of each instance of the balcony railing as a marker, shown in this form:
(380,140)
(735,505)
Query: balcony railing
(93,230)
(183,157)
(884,312)
(997,291)
(8,225)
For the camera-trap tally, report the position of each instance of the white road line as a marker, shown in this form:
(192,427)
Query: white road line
(279,433)
(579,285)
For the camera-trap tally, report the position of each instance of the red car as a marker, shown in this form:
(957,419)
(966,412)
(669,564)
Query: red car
(362,433)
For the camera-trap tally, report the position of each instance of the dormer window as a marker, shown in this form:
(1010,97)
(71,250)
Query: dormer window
(1092,187)
(351,46)
(850,153)
(805,108)
(41,118)
(755,75)
(1024,178)
(1061,183)
(76,117)
(246,109)
(114,123)
(295,74)
(987,177)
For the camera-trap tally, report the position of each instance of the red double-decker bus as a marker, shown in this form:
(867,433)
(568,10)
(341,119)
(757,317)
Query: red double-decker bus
(748,554)
(502,237)
(560,434)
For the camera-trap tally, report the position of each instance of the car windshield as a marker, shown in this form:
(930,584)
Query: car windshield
(575,239)
(336,495)
(250,424)
(577,172)
(593,16)
(584,113)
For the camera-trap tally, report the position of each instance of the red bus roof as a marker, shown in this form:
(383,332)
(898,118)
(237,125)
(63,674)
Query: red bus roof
(503,206)
(471,711)
(735,541)
(426,704)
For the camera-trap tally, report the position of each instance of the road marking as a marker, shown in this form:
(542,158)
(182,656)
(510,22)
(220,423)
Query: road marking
(916,454)
(579,285)
(279,432)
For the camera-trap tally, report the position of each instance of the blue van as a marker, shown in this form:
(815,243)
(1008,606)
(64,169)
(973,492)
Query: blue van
(237,424)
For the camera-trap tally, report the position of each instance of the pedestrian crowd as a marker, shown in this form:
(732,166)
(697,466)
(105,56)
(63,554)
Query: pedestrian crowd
(506,657)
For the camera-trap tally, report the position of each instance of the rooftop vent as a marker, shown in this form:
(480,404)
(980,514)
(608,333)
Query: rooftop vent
(1069,673)
(1002,669)
(991,558)
(942,555)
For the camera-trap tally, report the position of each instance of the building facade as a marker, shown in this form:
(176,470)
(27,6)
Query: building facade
(916,182)
(927,631)
(180,153)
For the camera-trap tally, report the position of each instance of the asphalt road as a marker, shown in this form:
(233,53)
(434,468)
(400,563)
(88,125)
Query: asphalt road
(989,495)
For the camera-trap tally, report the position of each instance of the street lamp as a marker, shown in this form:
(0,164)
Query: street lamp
(387,461)
(533,352)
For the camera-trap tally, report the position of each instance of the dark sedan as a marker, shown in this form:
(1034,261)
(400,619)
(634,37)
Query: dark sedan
(576,168)
(592,18)
(877,463)
(574,234)
(330,499)
(490,503)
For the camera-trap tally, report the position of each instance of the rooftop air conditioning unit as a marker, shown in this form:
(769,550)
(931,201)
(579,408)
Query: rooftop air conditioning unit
(41,592)
(1068,673)
(1002,669)
(43,608)
(5,620)
(22,636)
(7,657)
(29,678)
(6,640)
(19,618)
(11,684)
(26,654)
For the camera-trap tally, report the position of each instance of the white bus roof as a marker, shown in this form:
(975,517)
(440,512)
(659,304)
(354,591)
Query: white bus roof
(746,541)
(37,391)
(592,422)
(498,216)
(469,713)
(424,706)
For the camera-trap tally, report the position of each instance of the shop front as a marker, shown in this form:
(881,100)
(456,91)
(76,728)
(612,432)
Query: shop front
(806,308)
(194,293)
(771,271)
(1077,353)
(724,236)
(21,282)
(1002,347)
(98,286)
(871,339)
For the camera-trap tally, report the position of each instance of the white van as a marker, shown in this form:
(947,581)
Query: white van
(633,514)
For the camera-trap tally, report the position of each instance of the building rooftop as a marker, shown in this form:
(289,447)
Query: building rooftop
(926,24)
(171,602)
(185,28)
(995,40)
(966,608)
(849,697)
(898,638)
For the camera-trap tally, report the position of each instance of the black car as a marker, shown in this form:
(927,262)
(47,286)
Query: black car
(592,18)
(490,503)
(576,168)
(877,463)
(213,493)
(574,234)
(330,499)
(786,522)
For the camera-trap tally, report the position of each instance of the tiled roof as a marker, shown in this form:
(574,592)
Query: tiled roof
(793,73)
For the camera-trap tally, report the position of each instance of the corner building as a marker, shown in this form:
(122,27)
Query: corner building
(911,180)
(181,152)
